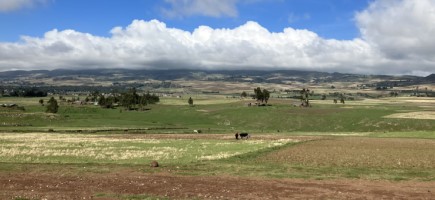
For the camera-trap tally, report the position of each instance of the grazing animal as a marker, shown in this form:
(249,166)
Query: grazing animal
(244,135)
(237,135)
(197,131)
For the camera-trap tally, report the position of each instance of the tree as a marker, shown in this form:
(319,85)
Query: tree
(41,101)
(151,98)
(342,100)
(129,99)
(266,95)
(244,94)
(305,97)
(52,106)
(323,97)
(101,100)
(133,101)
(258,94)
(143,101)
(190,101)
(94,96)
(106,102)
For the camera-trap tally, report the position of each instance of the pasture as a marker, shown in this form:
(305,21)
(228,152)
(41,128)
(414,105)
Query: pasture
(357,148)
(223,115)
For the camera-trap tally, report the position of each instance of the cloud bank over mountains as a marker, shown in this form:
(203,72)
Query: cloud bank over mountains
(396,38)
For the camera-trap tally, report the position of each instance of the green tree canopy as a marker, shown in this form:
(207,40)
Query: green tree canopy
(244,94)
(52,106)
(131,99)
(261,95)
(258,94)
(266,95)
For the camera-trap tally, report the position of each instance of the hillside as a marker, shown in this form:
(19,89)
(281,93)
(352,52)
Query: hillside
(46,77)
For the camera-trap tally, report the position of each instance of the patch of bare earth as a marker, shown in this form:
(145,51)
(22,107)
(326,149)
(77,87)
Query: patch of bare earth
(88,186)
(360,152)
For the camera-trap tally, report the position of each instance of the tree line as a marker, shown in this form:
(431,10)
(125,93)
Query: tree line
(130,100)
(24,92)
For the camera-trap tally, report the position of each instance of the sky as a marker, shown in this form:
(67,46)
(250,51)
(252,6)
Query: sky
(393,37)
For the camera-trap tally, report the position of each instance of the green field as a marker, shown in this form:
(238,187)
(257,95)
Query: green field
(224,116)
(366,139)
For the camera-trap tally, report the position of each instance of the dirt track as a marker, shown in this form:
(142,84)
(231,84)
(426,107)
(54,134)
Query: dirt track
(87,186)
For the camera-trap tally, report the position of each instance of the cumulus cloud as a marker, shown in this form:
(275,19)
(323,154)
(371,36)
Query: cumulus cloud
(211,8)
(390,44)
(12,5)
(401,29)
(151,44)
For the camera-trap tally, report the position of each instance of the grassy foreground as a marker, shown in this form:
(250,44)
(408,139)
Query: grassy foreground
(313,158)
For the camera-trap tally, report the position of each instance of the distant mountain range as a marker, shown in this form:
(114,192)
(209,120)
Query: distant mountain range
(255,76)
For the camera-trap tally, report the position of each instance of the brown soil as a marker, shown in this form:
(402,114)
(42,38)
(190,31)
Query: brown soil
(386,153)
(52,185)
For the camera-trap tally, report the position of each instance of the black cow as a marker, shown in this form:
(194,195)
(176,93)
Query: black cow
(244,135)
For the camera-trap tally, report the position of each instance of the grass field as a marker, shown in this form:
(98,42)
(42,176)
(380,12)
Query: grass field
(382,139)
(93,149)
(222,115)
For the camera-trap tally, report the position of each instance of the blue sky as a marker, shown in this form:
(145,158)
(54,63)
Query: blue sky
(328,18)
(348,36)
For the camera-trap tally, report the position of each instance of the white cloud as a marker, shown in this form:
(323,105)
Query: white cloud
(391,43)
(150,44)
(211,8)
(402,29)
(12,5)
(403,32)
